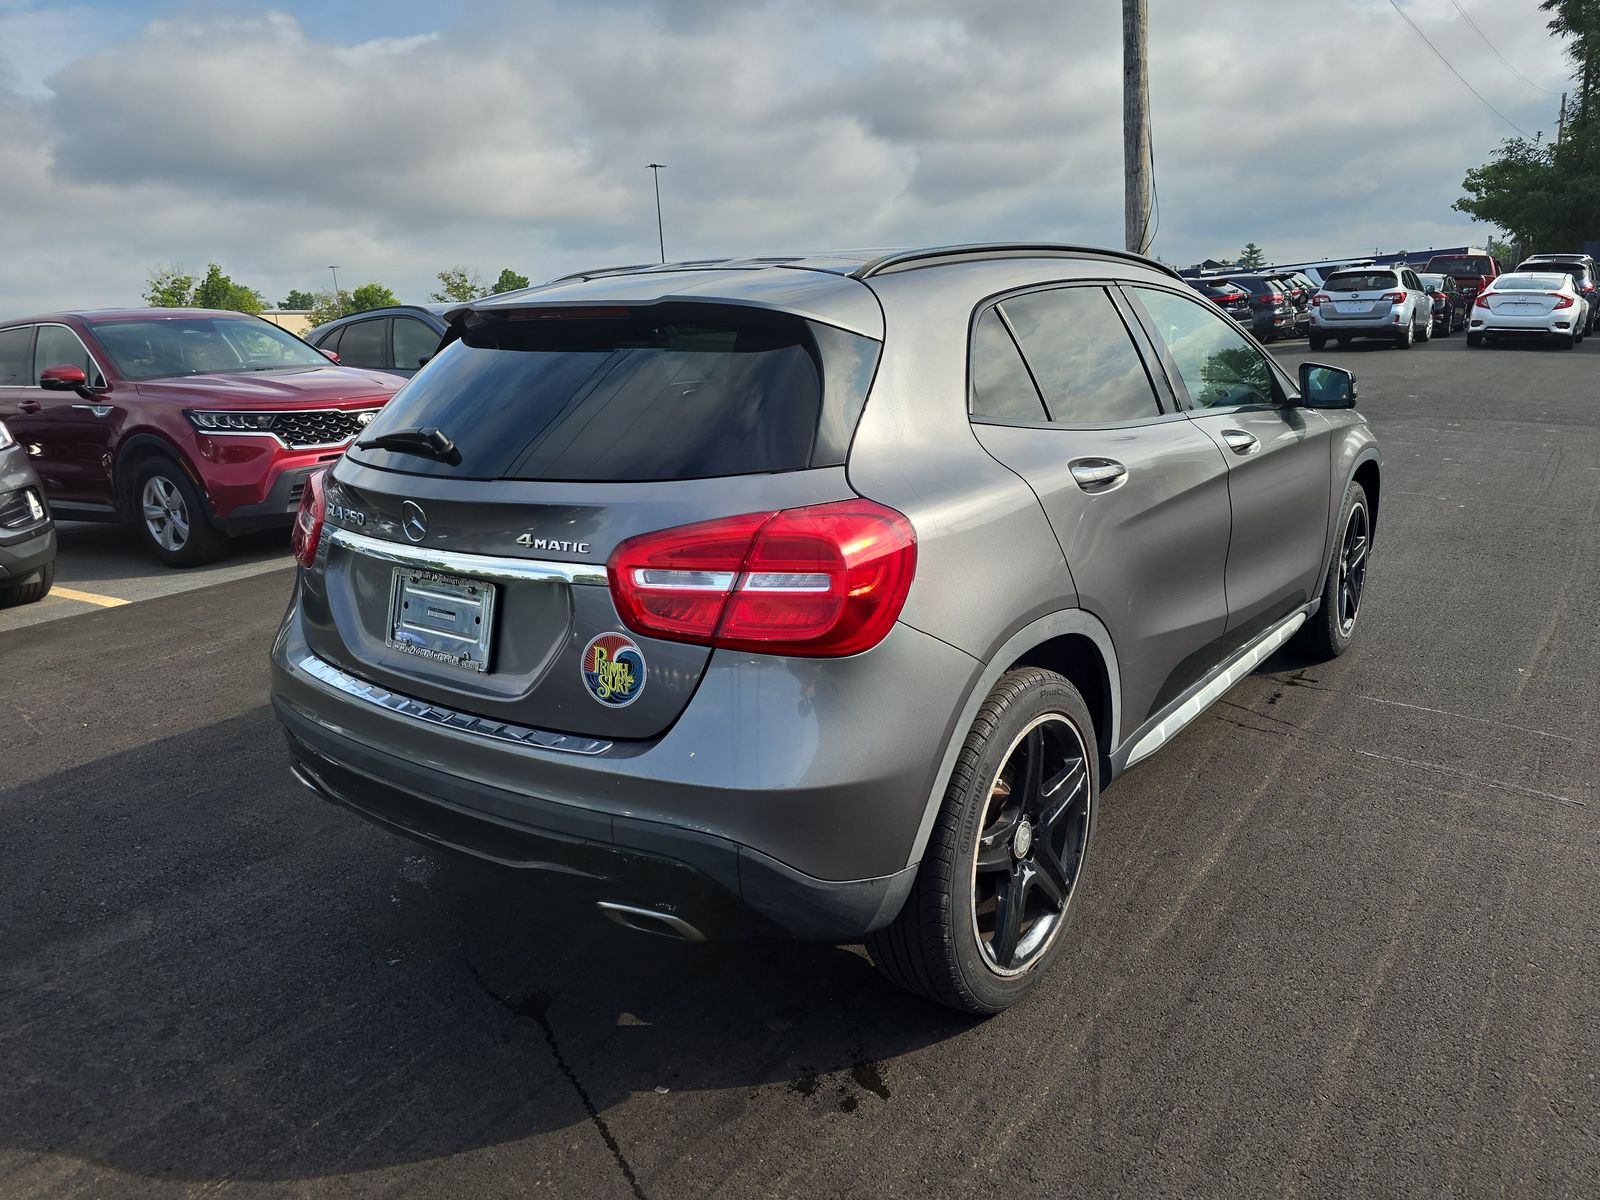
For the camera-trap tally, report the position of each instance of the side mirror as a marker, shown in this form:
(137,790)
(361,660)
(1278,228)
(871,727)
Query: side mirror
(63,378)
(1327,387)
(330,356)
(423,361)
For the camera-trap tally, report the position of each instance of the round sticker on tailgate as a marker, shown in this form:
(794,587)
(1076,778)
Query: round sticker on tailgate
(613,669)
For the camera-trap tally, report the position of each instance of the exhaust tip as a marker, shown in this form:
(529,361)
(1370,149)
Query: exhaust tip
(648,920)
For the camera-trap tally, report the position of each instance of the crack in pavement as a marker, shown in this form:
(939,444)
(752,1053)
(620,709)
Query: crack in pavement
(536,1008)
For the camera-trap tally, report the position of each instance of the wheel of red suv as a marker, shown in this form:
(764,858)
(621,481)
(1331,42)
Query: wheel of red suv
(1327,633)
(999,881)
(171,516)
(27,593)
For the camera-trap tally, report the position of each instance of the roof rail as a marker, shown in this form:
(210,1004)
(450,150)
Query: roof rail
(906,259)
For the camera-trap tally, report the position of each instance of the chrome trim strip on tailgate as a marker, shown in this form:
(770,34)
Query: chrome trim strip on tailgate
(479,566)
(436,714)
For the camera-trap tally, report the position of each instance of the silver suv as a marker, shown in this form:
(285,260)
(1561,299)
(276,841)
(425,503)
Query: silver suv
(1371,302)
(816,595)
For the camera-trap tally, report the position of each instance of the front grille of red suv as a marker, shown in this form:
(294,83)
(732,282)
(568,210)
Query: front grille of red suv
(316,427)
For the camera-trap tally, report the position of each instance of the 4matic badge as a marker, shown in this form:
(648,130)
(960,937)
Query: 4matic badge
(613,669)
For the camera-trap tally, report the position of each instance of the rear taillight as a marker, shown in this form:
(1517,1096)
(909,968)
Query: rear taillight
(307,531)
(1270,297)
(1481,302)
(1319,299)
(821,581)
(1394,297)
(1561,301)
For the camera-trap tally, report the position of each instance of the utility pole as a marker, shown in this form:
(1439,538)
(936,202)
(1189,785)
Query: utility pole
(335,271)
(1561,119)
(1135,127)
(656,169)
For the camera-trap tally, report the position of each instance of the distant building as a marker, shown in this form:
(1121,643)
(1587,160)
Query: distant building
(296,320)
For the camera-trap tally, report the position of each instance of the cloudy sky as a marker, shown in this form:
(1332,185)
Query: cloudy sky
(395,137)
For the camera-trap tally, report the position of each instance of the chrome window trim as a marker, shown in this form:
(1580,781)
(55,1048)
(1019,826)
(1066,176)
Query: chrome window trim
(449,718)
(478,566)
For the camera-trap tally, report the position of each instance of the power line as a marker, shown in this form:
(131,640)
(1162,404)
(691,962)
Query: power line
(1497,53)
(1456,73)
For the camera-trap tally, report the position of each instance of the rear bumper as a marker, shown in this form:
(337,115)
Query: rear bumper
(768,805)
(1544,325)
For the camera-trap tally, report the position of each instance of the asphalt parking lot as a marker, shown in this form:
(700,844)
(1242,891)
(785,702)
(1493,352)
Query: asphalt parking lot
(1339,938)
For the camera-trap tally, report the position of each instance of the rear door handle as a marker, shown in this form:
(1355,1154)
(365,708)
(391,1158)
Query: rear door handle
(29,406)
(1098,474)
(1240,442)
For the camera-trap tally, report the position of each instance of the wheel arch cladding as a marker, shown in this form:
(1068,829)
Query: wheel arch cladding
(1079,660)
(139,449)
(1370,476)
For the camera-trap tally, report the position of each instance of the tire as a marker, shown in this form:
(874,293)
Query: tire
(937,947)
(1318,341)
(1328,632)
(1425,333)
(182,535)
(1474,339)
(1407,339)
(1343,341)
(27,593)
(1568,342)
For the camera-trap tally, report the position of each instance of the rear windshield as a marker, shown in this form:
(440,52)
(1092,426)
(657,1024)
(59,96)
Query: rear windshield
(1361,281)
(1460,267)
(659,393)
(1432,281)
(1529,282)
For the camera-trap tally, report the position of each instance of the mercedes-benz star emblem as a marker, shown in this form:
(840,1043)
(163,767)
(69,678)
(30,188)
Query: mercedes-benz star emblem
(413,521)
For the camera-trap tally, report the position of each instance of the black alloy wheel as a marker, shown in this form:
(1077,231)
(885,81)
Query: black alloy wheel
(1353,567)
(1030,845)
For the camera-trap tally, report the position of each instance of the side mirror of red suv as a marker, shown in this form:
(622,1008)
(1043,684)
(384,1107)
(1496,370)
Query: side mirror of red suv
(63,378)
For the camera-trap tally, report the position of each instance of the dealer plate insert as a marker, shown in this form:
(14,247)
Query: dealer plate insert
(445,618)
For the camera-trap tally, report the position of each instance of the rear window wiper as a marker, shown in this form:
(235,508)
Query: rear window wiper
(427,441)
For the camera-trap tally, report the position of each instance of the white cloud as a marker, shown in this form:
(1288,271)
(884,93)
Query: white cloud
(254,140)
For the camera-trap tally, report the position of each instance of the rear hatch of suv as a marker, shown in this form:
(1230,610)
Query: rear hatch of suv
(463,563)
(1361,296)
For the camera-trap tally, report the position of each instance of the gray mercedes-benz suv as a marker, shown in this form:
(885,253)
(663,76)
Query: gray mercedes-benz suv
(817,595)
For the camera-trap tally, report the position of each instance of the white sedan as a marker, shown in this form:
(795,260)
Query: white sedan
(1524,304)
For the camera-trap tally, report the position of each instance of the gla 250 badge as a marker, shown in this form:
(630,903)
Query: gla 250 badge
(534,543)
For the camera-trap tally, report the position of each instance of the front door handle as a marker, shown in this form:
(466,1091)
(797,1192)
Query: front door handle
(29,406)
(1240,442)
(1095,475)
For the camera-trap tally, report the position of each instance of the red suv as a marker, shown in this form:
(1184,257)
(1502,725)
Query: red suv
(1472,272)
(194,425)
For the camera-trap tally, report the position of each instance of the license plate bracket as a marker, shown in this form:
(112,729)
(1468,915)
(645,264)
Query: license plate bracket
(446,619)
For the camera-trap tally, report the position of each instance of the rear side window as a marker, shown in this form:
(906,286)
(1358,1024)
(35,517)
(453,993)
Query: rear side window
(365,344)
(1002,389)
(1082,356)
(15,367)
(413,342)
(672,391)
(1362,281)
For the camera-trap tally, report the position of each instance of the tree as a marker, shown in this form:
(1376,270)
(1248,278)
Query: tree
(509,281)
(459,285)
(297,300)
(1251,257)
(330,306)
(216,290)
(169,287)
(372,295)
(1547,197)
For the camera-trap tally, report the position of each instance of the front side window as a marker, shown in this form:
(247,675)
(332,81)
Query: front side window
(162,347)
(413,342)
(1002,389)
(14,364)
(58,346)
(1081,356)
(1218,366)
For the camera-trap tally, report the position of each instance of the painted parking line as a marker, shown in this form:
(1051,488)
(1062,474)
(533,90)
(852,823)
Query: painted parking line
(87,597)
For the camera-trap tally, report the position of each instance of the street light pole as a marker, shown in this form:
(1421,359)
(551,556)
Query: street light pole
(656,169)
(335,271)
